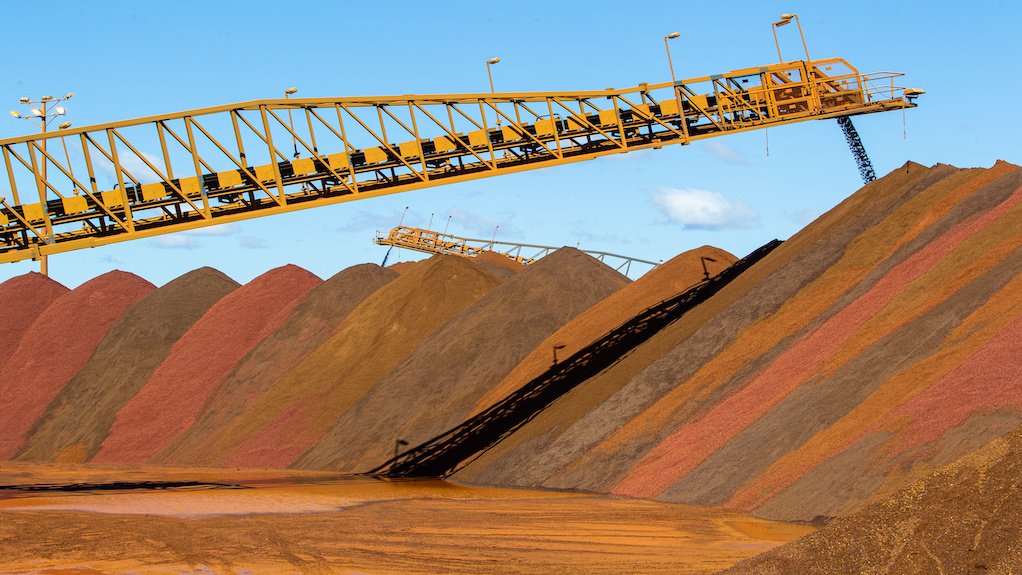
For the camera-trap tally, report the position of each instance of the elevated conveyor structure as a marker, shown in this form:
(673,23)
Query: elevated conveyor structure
(449,451)
(95,185)
(432,242)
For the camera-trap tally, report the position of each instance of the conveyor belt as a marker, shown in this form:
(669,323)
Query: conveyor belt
(95,185)
(445,453)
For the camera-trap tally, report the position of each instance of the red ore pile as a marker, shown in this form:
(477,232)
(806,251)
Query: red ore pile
(199,361)
(56,346)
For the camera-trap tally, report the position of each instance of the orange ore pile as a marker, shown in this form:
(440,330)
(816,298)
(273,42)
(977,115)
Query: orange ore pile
(833,381)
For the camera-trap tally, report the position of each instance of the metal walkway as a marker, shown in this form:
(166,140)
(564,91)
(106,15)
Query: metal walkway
(95,185)
(431,242)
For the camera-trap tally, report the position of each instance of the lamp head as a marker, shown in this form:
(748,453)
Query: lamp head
(45,98)
(24,100)
(60,110)
(64,126)
(673,35)
(37,112)
(291,90)
(785,20)
(68,96)
(912,93)
(493,61)
(15,114)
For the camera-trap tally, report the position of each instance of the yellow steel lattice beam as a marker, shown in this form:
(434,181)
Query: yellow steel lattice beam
(161,174)
(433,242)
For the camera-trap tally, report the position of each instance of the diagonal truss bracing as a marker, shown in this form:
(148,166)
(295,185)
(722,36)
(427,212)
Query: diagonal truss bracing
(432,242)
(96,185)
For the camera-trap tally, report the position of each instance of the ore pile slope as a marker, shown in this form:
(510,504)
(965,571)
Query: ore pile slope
(56,346)
(964,518)
(377,335)
(669,279)
(497,264)
(437,385)
(23,298)
(821,375)
(79,418)
(172,398)
(316,317)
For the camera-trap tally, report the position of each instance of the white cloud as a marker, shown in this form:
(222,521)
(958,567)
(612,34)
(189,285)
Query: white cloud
(252,243)
(806,217)
(703,209)
(176,242)
(130,162)
(479,225)
(218,230)
(726,153)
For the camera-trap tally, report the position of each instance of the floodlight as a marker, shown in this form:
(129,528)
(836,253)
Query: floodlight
(60,110)
(69,95)
(493,61)
(291,90)
(674,35)
(37,112)
(45,98)
(15,114)
(25,100)
(64,126)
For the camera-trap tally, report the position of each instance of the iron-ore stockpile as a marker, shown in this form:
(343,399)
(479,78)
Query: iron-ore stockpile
(173,397)
(669,279)
(315,318)
(78,419)
(964,518)
(374,338)
(497,264)
(23,298)
(55,346)
(874,346)
(435,387)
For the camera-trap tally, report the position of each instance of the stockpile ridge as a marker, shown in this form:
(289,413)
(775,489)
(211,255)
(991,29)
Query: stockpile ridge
(56,345)
(439,382)
(835,370)
(78,419)
(316,317)
(669,279)
(374,337)
(172,398)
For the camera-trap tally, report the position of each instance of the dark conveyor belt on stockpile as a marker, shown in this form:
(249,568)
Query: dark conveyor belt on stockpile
(447,452)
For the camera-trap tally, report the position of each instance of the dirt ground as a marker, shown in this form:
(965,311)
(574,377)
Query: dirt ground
(310,522)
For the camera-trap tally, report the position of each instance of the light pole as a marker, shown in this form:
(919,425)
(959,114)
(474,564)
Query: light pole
(667,47)
(554,348)
(42,114)
(784,21)
(398,444)
(706,272)
(67,157)
(290,120)
(489,74)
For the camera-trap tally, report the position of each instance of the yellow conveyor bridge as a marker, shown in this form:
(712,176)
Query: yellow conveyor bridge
(433,242)
(96,185)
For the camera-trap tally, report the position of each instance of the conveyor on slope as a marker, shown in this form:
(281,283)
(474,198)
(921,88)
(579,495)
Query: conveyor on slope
(447,452)
(858,150)
(174,172)
(432,242)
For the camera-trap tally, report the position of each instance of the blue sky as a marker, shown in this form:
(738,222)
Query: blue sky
(130,59)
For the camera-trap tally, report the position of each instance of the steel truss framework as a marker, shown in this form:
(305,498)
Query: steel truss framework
(95,185)
(431,242)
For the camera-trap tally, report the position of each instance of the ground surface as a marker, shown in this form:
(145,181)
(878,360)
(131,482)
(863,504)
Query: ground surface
(286,522)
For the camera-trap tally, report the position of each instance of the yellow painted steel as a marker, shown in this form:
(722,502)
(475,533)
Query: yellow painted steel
(161,174)
(432,242)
